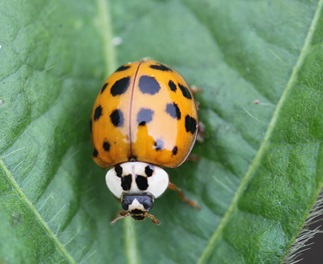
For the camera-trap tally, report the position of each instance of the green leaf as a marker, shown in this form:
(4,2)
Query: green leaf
(260,167)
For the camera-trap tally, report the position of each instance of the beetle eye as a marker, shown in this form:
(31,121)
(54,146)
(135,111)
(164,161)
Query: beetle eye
(147,202)
(144,202)
(126,201)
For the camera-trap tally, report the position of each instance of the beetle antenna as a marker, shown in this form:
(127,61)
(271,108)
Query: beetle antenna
(153,218)
(121,215)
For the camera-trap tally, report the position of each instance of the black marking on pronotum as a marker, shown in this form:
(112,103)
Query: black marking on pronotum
(126,182)
(95,153)
(141,182)
(120,86)
(186,93)
(118,169)
(159,144)
(97,112)
(106,145)
(116,118)
(173,110)
(122,68)
(160,67)
(148,85)
(144,116)
(175,150)
(149,170)
(190,124)
(103,87)
(172,86)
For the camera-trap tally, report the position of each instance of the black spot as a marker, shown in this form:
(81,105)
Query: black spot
(175,149)
(118,170)
(116,118)
(149,170)
(123,68)
(190,124)
(90,124)
(103,87)
(142,182)
(173,110)
(95,153)
(120,86)
(186,93)
(148,85)
(144,116)
(106,145)
(172,85)
(126,182)
(97,113)
(160,67)
(159,144)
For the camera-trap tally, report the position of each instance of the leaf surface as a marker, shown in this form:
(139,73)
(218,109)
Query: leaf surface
(260,166)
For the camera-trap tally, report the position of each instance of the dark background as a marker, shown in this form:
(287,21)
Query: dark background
(314,254)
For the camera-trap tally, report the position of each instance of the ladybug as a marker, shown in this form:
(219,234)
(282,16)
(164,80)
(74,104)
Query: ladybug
(144,118)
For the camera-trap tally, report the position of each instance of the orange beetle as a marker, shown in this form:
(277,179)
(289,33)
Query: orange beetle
(144,117)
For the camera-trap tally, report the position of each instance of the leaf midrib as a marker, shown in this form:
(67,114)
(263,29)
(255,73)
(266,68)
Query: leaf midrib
(218,233)
(106,32)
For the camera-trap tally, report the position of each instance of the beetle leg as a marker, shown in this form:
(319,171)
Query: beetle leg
(182,196)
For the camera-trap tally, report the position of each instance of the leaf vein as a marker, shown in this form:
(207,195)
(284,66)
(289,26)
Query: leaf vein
(29,205)
(218,232)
